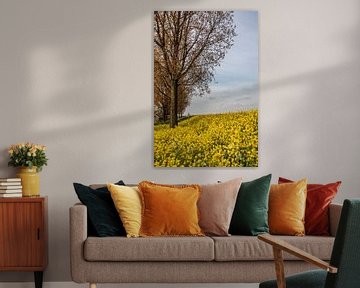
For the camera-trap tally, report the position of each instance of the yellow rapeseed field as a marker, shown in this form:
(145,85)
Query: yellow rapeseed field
(215,140)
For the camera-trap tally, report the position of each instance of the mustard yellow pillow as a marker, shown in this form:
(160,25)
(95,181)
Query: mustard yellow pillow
(287,204)
(127,201)
(169,210)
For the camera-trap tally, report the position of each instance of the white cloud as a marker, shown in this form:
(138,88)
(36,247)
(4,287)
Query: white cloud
(236,83)
(222,100)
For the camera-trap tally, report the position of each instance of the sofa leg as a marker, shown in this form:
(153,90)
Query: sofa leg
(92,285)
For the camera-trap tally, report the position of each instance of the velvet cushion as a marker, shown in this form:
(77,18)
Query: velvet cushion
(127,201)
(102,214)
(287,208)
(319,197)
(216,205)
(250,215)
(310,279)
(169,210)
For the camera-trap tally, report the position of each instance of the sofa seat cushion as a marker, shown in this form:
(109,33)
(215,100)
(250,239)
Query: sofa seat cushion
(243,248)
(149,249)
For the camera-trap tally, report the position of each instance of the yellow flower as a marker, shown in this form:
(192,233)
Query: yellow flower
(228,139)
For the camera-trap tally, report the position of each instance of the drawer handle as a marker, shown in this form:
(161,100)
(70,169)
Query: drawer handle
(38,234)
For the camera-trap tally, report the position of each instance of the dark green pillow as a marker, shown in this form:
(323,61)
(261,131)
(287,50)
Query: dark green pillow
(250,216)
(103,218)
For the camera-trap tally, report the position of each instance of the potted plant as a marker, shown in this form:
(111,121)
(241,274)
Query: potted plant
(30,158)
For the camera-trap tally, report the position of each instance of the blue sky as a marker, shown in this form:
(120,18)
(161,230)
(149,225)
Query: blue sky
(236,83)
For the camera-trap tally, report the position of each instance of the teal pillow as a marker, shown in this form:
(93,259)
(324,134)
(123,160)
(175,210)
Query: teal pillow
(250,216)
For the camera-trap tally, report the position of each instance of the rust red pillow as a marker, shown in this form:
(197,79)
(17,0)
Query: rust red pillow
(319,197)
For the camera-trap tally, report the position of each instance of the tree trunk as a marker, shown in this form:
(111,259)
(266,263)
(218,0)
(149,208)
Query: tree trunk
(163,115)
(174,104)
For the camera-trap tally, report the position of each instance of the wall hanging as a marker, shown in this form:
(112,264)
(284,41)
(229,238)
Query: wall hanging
(206,88)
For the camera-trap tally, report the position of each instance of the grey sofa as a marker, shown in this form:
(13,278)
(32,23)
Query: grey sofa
(234,259)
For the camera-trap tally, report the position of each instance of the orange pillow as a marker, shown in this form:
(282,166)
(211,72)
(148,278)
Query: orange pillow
(169,210)
(287,204)
(318,199)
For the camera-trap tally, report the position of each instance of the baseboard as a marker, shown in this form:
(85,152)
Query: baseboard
(74,285)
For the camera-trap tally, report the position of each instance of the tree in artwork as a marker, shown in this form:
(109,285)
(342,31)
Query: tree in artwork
(188,45)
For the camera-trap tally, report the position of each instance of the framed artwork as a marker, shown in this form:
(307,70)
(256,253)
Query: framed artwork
(206,88)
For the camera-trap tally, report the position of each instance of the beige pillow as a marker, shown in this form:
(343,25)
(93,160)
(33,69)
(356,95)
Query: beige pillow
(216,206)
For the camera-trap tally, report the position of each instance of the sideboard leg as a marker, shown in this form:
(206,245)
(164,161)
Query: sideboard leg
(38,279)
(92,285)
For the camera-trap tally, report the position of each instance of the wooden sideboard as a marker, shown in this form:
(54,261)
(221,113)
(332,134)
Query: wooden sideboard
(23,235)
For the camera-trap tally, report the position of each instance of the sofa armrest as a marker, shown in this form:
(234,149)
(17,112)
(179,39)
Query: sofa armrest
(78,235)
(334,216)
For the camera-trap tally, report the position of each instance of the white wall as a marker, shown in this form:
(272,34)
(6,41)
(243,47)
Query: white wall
(77,77)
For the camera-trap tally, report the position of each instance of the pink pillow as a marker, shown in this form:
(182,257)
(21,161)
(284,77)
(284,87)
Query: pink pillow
(216,205)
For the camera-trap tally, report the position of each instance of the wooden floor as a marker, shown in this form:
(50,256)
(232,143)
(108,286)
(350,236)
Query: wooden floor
(74,285)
